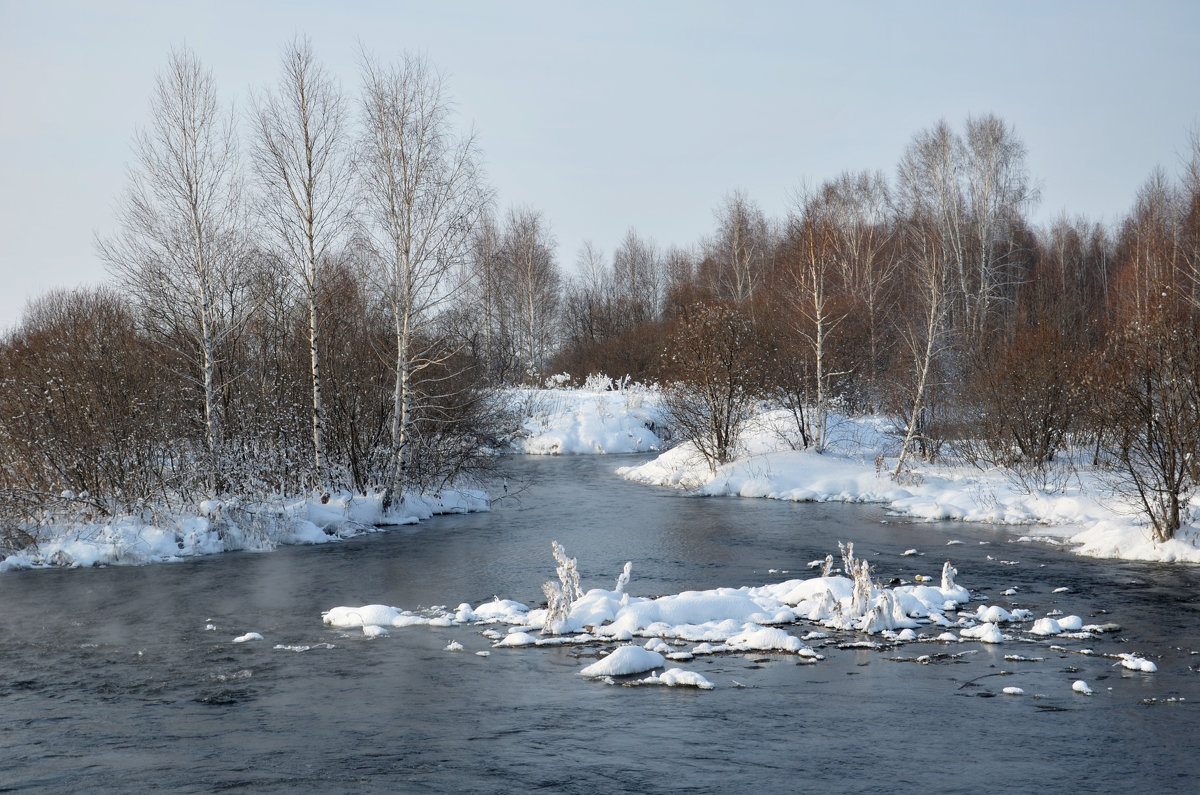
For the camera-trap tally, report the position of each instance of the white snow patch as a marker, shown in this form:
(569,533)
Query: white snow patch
(588,421)
(677,677)
(984,633)
(1083,512)
(215,526)
(623,661)
(1136,663)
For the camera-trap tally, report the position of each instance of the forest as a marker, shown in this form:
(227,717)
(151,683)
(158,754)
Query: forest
(321,293)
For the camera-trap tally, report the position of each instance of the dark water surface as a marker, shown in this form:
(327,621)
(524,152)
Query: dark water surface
(109,680)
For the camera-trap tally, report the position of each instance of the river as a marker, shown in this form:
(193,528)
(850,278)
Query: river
(111,681)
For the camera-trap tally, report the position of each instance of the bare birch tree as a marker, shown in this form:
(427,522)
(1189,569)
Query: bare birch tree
(741,250)
(485,325)
(976,189)
(181,236)
(998,191)
(423,195)
(301,160)
(858,207)
(528,250)
(637,279)
(930,188)
(813,268)
(924,336)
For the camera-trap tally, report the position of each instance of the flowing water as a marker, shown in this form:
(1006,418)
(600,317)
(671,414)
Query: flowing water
(111,681)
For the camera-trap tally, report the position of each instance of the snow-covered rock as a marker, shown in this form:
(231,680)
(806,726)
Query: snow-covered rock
(623,661)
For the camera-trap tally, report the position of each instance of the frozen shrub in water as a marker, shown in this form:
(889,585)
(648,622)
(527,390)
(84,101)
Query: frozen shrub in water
(863,589)
(562,594)
(886,613)
(847,552)
(859,571)
(623,579)
(948,573)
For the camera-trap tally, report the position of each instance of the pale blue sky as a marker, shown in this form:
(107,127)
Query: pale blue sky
(612,115)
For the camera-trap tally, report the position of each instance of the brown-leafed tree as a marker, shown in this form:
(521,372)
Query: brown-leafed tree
(715,363)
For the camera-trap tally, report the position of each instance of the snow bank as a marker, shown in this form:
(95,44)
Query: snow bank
(588,421)
(853,469)
(223,526)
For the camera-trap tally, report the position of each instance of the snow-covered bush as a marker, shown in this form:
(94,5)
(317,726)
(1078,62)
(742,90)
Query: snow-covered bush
(598,382)
(1152,398)
(562,594)
(718,369)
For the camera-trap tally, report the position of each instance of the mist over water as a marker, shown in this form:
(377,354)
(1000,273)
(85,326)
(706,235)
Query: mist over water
(111,681)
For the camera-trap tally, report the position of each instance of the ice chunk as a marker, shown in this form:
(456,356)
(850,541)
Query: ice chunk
(625,660)
(367,615)
(1136,663)
(677,677)
(517,639)
(1056,626)
(765,639)
(984,633)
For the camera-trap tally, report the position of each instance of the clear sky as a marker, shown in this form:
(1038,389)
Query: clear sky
(613,115)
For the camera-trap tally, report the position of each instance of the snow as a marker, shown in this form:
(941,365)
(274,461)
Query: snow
(596,420)
(616,417)
(1136,663)
(1083,512)
(1081,687)
(1056,626)
(766,619)
(380,616)
(220,526)
(518,639)
(249,636)
(998,615)
(984,633)
(677,677)
(623,661)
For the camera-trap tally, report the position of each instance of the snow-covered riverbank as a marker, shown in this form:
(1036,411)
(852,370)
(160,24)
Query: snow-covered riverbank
(229,526)
(592,420)
(1083,511)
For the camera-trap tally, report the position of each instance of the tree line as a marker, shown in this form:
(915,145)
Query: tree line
(331,299)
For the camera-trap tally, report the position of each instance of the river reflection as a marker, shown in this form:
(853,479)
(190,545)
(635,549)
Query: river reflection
(112,682)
